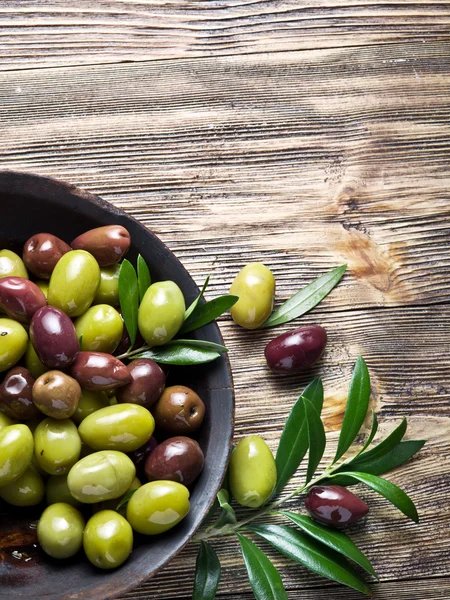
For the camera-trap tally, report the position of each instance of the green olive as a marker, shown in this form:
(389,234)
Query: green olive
(60,530)
(43,286)
(99,329)
(16,451)
(33,363)
(5,421)
(12,265)
(113,504)
(90,402)
(157,506)
(28,490)
(161,313)
(108,290)
(124,427)
(74,282)
(107,539)
(57,490)
(255,286)
(57,445)
(13,343)
(101,476)
(253,473)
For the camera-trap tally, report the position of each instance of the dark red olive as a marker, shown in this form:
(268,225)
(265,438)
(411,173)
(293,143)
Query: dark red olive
(180,410)
(147,384)
(107,244)
(41,253)
(16,398)
(99,371)
(20,298)
(296,350)
(176,459)
(54,337)
(335,505)
(140,455)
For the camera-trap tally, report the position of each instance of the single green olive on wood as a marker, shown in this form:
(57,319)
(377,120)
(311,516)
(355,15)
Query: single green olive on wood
(99,329)
(255,286)
(253,473)
(125,427)
(108,290)
(27,490)
(158,506)
(60,530)
(107,539)
(16,451)
(11,265)
(74,282)
(161,313)
(57,445)
(13,343)
(101,476)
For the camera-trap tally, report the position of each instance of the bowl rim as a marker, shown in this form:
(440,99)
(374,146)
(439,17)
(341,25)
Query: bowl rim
(12,182)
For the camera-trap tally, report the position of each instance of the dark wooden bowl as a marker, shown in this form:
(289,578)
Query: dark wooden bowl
(30,204)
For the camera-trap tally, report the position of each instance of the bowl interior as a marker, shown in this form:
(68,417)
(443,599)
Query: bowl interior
(31,204)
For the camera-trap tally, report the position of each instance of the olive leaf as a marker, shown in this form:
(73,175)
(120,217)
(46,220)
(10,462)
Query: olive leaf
(356,408)
(311,554)
(316,438)
(125,498)
(179,354)
(204,344)
(264,578)
(207,312)
(372,434)
(193,306)
(294,438)
(223,498)
(129,298)
(207,573)
(387,444)
(391,492)
(144,278)
(333,538)
(307,298)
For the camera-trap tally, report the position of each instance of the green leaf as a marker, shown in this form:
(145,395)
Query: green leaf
(396,457)
(306,299)
(386,445)
(192,307)
(207,312)
(179,354)
(199,344)
(356,409)
(311,554)
(144,279)
(316,438)
(372,434)
(224,498)
(125,498)
(391,492)
(129,298)
(294,439)
(207,573)
(263,576)
(333,538)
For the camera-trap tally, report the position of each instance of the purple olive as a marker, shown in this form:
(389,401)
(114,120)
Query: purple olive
(41,253)
(107,244)
(296,350)
(140,455)
(54,337)
(335,505)
(176,459)
(16,397)
(20,298)
(99,371)
(147,384)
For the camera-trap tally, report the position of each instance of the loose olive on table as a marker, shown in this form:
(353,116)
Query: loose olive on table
(255,286)
(296,350)
(335,505)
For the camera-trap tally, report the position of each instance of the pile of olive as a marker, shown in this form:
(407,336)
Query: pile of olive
(75,421)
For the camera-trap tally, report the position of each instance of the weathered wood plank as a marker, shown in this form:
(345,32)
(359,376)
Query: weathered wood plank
(53,33)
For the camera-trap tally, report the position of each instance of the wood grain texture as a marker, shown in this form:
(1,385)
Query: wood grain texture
(58,32)
(302,160)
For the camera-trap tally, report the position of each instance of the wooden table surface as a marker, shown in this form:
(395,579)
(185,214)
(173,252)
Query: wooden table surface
(303,135)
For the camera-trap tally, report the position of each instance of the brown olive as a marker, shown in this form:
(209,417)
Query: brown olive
(176,459)
(20,298)
(56,394)
(16,399)
(107,244)
(99,371)
(179,410)
(41,253)
(296,350)
(335,505)
(147,383)
(53,337)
